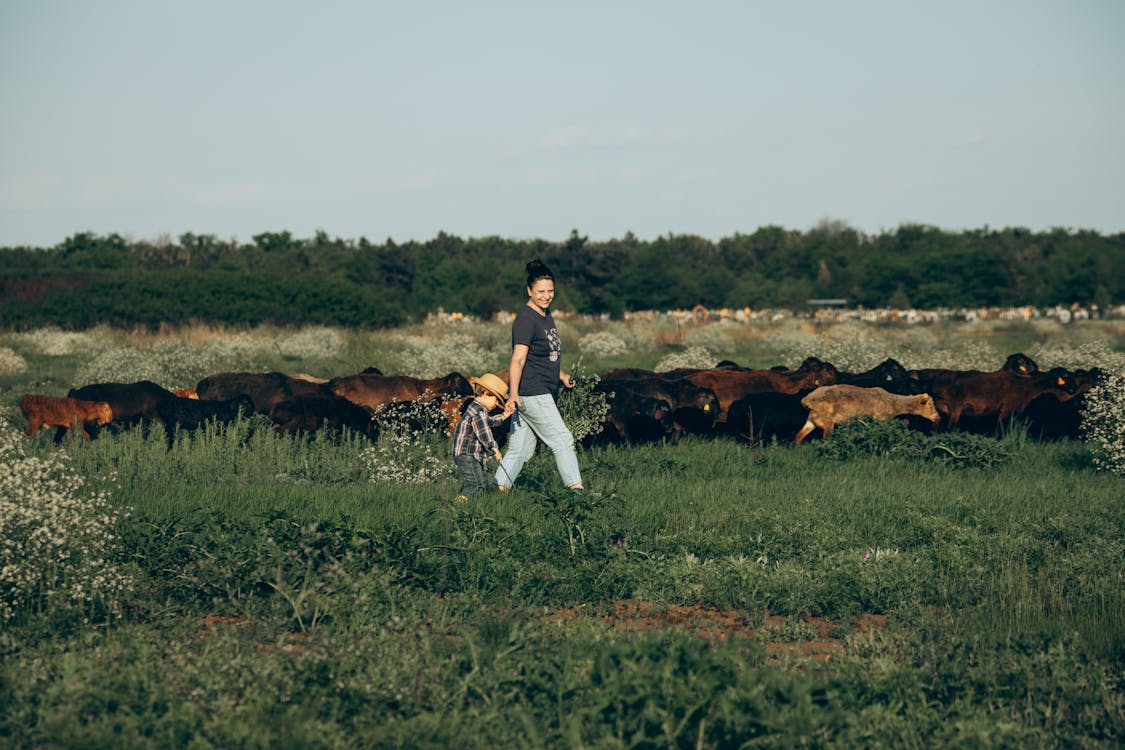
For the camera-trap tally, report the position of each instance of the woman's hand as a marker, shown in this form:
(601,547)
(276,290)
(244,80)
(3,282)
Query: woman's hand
(566,379)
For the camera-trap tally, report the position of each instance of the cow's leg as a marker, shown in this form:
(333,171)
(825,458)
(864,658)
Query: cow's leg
(33,425)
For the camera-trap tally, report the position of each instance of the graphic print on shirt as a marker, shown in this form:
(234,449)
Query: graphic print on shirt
(555,343)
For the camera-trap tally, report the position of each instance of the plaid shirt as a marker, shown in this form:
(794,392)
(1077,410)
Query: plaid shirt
(474,436)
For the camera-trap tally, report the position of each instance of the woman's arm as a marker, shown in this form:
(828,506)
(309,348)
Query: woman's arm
(515,372)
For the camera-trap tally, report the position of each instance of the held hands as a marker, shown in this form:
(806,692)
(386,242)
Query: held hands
(510,406)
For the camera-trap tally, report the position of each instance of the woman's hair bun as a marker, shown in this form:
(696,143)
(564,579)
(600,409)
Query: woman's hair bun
(537,270)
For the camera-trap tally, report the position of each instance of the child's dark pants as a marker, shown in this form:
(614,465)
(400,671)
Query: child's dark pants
(473,474)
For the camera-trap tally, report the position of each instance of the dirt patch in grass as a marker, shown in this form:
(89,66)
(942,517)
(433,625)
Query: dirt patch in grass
(811,638)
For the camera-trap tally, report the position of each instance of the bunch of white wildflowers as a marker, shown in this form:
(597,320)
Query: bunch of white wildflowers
(423,357)
(409,449)
(56,536)
(170,363)
(693,356)
(602,344)
(11,363)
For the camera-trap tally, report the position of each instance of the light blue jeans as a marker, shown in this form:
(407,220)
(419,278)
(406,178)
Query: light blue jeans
(538,417)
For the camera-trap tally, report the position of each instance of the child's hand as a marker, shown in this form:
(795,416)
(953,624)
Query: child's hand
(499,457)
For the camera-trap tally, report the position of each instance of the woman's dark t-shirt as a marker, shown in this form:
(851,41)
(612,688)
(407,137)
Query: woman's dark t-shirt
(544,351)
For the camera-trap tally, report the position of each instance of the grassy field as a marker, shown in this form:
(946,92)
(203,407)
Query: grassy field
(245,589)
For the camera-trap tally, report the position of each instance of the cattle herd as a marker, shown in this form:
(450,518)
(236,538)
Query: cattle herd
(752,405)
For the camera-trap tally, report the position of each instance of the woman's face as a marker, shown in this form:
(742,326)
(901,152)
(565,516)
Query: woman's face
(541,293)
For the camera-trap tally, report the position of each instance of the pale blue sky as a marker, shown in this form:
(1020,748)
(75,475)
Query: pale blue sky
(529,119)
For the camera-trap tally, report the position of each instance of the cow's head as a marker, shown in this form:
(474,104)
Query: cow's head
(1020,363)
(927,408)
(456,384)
(104,412)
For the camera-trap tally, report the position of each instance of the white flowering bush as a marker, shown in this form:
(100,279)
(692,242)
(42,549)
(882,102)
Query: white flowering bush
(11,363)
(55,342)
(1103,411)
(855,347)
(312,342)
(1103,421)
(693,356)
(423,357)
(240,351)
(169,363)
(56,536)
(409,450)
(711,336)
(602,344)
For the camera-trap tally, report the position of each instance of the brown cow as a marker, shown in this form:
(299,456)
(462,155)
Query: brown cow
(731,385)
(55,411)
(372,391)
(991,398)
(835,404)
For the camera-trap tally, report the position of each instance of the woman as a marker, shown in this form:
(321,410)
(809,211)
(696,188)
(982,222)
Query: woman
(533,380)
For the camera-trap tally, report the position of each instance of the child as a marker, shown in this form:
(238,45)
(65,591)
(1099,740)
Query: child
(473,438)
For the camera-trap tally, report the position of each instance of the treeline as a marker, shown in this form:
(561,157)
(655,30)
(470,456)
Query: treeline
(89,279)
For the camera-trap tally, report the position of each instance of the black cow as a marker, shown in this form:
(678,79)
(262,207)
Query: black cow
(1020,363)
(1050,417)
(193,413)
(695,408)
(889,375)
(265,389)
(311,412)
(131,403)
(639,411)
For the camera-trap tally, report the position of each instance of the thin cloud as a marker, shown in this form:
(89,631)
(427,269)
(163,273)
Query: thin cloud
(43,190)
(959,140)
(577,136)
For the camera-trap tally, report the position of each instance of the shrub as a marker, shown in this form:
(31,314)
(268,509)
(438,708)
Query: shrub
(171,364)
(890,437)
(311,342)
(423,357)
(602,344)
(693,356)
(56,538)
(1103,421)
(55,342)
(11,363)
